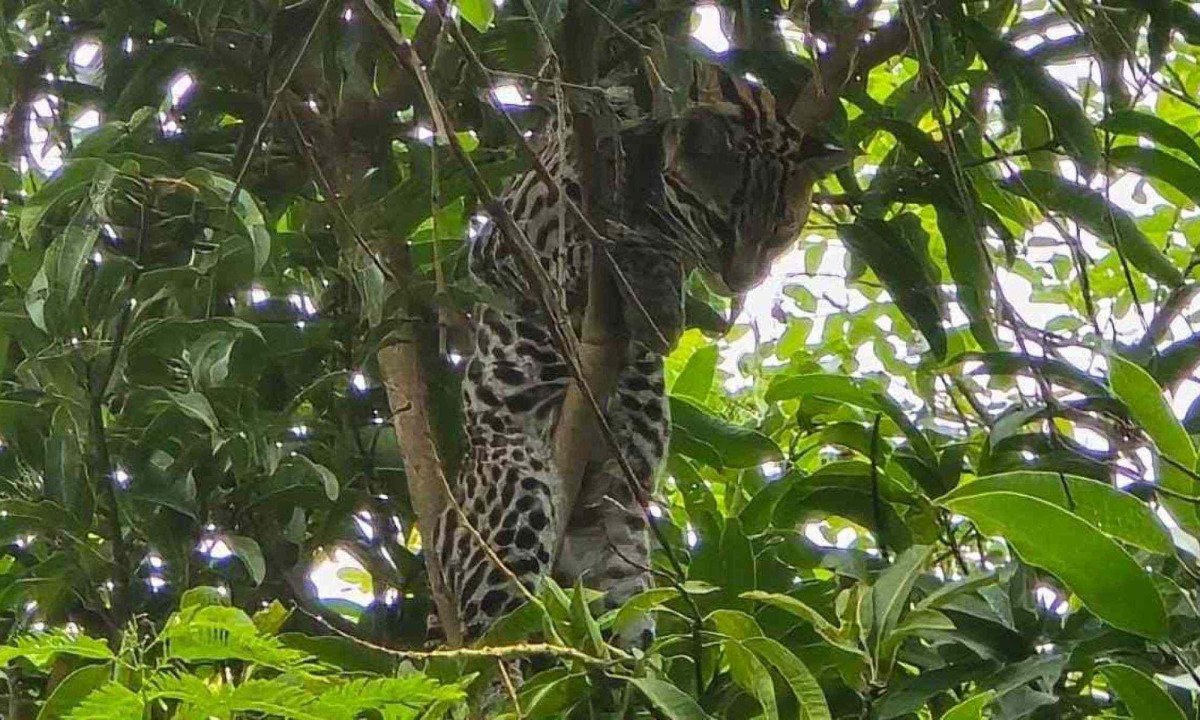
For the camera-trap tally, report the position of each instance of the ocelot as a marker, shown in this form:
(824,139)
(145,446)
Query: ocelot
(724,188)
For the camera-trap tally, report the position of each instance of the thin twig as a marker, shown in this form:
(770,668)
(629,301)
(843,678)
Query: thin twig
(508,687)
(876,500)
(266,119)
(620,31)
(952,543)
(488,550)
(980,411)
(101,460)
(309,153)
(504,652)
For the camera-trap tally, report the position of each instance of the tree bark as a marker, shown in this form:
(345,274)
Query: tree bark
(408,394)
(602,347)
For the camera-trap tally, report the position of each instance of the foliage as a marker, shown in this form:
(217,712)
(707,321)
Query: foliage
(215,661)
(943,467)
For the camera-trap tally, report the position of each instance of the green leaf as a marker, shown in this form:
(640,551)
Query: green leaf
(971,708)
(802,504)
(216,633)
(555,698)
(468,140)
(859,392)
(73,689)
(1143,124)
(797,676)
(479,13)
(1091,210)
(71,182)
(355,697)
(787,603)
(271,618)
(737,556)
(734,623)
(753,677)
(113,701)
(41,649)
(903,269)
(1023,77)
(408,16)
(724,558)
(193,404)
(347,654)
(910,695)
(274,697)
(856,391)
(1012,363)
(1037,132)
(1143,697)
(248,551)
(202,596)
(1100,572)
(581,617)
(244,207)
(65,481)
(298,474)
(1117,514)
(672,702)
(888,597)
(637,606)
(1148,406)
(966,256)
(63,268)
(755,515)
(706,437)
(917,622)
(696,378)
(1153,163)
(1174,363)
(947,593)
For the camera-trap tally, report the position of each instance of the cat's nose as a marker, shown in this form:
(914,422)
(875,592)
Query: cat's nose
(743,274)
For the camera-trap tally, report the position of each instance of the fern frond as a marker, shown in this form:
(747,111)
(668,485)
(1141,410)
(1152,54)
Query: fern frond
(412,692)
(196,698)
(112,701)
(276,697)
(214,633)
(41,648)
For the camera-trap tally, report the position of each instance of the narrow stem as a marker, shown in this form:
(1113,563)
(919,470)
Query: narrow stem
(876,500)
(101,458)
(102,466)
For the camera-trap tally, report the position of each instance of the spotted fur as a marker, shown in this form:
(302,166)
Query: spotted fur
(724,189)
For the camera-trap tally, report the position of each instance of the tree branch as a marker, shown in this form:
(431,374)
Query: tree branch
(101,461)
(503,652)
(404,379)
(818,100)
(1176,362)
(1176,301)
(602,349)
(407,390)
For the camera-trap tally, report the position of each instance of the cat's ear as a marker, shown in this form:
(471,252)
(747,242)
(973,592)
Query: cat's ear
(742,96)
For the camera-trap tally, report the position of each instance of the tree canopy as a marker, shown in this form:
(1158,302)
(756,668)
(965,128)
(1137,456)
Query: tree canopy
(941,464)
